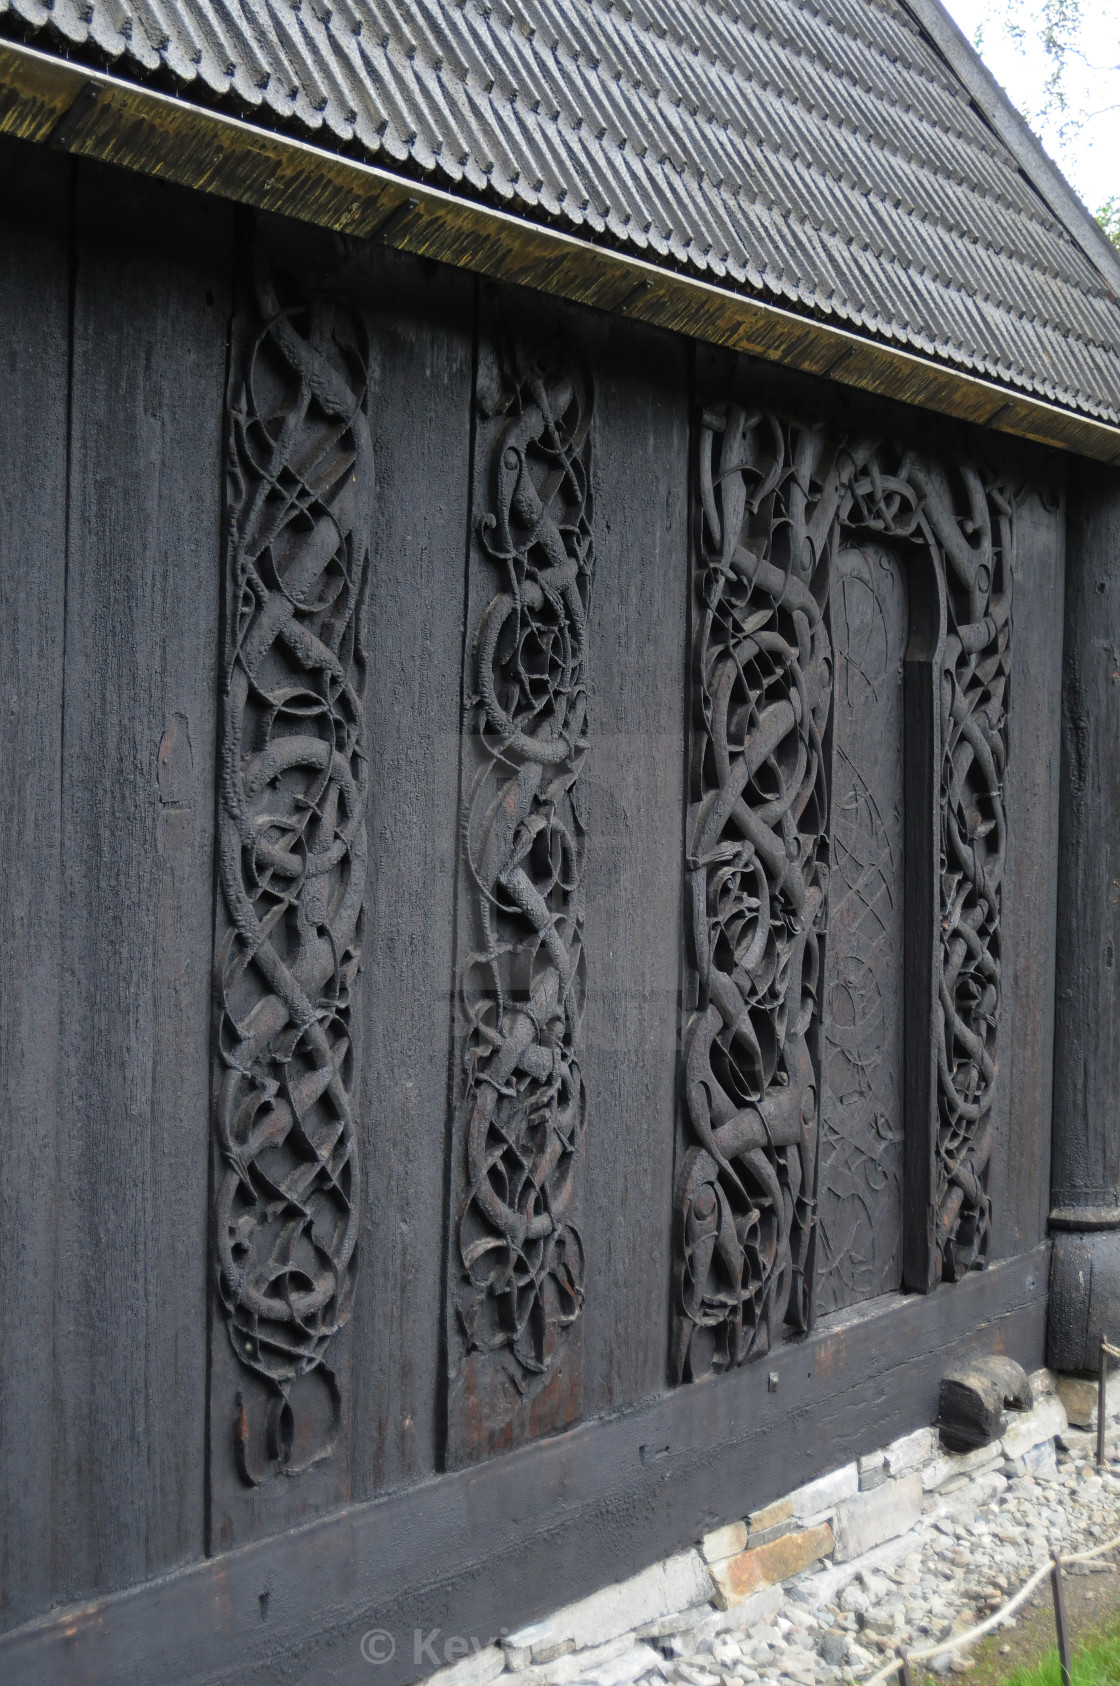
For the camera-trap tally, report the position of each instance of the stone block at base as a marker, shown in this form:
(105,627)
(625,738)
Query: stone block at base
(825,1493)
(765,1565)
(1023,1432)
(476,1670)
(761,1521)
(946,1466)
(724,1542)
(1041,1463)
(1080,1400)
(676,1584)
(912,1451)
(872,1518)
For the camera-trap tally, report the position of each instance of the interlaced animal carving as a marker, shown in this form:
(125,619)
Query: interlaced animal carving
(292,832)
(522,988)
(965,522)
(758,879)
(971,521)
(776,501)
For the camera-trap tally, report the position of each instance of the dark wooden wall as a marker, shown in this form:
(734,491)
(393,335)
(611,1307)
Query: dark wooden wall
(116,298)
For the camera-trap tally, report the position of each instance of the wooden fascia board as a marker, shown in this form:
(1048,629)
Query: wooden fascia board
(91,114)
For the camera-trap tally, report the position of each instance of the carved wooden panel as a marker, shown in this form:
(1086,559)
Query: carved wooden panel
(517,1266)
(957,521)
(757,869)
(969,517)
(859,1246)
(782,508)
(292,846)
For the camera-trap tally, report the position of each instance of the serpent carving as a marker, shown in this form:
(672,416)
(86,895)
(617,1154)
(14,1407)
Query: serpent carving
(777,501)
(971,522)
(757,867)
(292,835)
(964,521)
(522,987)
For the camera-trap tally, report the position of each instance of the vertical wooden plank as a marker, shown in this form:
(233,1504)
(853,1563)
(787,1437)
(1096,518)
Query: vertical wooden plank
(768,495)
(1084,1215)
(921,878)
(1024,1089)
(422,321)
(34,362)
(131,1272)
(639,657)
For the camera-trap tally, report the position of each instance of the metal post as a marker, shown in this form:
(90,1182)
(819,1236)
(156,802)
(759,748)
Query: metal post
(1102,1389)
(1060,1616)
(904,1676)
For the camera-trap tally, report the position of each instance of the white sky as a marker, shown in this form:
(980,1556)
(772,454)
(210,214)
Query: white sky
(1091,159)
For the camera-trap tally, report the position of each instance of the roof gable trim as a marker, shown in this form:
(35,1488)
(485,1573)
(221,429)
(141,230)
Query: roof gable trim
(1041,173)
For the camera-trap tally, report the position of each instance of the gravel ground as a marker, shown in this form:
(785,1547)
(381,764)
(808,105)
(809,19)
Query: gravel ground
(971,1550)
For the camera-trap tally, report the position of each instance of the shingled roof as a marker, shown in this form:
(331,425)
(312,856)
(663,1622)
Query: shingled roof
(846,159)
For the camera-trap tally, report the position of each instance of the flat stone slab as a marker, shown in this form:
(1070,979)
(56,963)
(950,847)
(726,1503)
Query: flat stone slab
(724,1542)
(476,1670)
(947,1465)
(676,1584)
(638,1659)
(570,1666)
(822,1495)
(1046,1420)
(765,1565)
(912,1451)
(875,1517)
(1080,1400)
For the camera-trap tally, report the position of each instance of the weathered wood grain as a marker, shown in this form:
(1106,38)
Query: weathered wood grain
(860,1173)
(131,1275)
(1085,1179)
(422,322)
(509,1540)
(34,366)
(1027,1082)
(1086,1171)
(638,640)
(922,854)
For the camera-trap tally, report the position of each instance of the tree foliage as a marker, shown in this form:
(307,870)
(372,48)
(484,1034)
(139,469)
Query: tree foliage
(1057,27)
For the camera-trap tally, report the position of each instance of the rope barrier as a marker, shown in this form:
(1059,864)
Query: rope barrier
(899,1664)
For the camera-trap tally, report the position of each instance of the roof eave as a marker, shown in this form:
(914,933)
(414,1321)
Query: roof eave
(92,114)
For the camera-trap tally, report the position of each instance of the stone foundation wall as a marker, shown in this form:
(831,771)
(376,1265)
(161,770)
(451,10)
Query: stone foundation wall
(821,1547)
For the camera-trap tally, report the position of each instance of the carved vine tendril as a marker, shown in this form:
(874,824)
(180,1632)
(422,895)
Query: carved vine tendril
(522,990)
(292,860)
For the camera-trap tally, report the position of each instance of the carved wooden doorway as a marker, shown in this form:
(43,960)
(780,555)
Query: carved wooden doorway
(859,1243)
